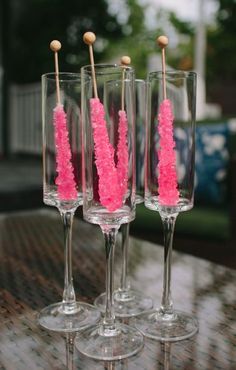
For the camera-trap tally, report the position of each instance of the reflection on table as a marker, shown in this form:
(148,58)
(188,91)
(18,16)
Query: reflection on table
(31,276)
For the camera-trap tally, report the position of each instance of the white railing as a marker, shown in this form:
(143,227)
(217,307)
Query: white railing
(25,122)
(25,133)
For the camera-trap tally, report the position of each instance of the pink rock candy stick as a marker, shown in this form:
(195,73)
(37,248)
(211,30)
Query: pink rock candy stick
(122,153)
(65,181)
(112,179)
(167,176)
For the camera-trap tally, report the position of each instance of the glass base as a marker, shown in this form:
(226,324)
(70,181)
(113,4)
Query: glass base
(121,342)
(127,303)
(167,328)
(55,318)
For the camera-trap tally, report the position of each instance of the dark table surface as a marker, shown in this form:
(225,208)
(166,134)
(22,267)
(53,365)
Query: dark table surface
(32,274)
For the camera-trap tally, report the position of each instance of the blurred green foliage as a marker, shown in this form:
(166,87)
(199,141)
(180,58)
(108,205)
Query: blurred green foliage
(121,29)
(34,23)
(221,53)
(221,58)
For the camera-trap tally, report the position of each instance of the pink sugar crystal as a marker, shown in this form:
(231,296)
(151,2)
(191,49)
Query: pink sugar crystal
(167,176)
(65,181)
(122,152)
(112,180)
(104,158)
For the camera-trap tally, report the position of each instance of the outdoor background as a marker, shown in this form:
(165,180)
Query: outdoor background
(202,36)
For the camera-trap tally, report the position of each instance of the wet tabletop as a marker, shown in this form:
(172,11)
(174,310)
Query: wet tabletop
(32,274)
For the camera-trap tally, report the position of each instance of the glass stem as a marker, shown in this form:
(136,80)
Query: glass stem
(124,283)
(166,349)
(168,227)
(110,233)
(70,338)
(69,300)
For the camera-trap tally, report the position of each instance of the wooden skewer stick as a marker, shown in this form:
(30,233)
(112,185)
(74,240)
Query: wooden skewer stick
(162,41)
(125,61)
(89,38)
(55,46)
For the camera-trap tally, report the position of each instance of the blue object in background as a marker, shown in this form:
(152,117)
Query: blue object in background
(211,163)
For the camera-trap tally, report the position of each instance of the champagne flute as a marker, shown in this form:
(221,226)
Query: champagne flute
(62,188)
(129,302)
(169,185)
(109,191)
